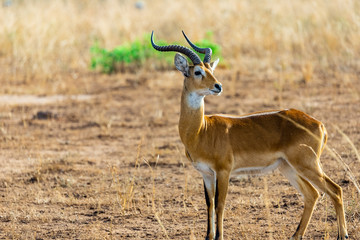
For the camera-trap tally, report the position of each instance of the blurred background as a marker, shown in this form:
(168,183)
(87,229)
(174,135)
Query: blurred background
(46,41)
(89,112)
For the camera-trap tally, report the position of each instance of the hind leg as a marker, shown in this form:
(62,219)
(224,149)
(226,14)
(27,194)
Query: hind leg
(325,184)
(309,193)
(310,170)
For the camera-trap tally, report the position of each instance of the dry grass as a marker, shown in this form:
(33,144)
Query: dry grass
(44,42)
(112,166)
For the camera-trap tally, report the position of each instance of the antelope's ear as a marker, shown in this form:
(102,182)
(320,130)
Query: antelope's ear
(181,64)
(214,64)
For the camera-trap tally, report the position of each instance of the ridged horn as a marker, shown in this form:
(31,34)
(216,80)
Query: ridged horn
(206,51)
(176,48)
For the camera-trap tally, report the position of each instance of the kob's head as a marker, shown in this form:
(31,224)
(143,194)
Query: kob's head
(199,77)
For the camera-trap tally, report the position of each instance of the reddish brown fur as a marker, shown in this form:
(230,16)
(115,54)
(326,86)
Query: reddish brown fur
(219,144)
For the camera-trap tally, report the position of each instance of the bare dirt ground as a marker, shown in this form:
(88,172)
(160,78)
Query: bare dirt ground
(111,165)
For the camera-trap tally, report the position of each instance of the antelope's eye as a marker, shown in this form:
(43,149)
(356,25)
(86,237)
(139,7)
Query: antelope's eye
(197,73)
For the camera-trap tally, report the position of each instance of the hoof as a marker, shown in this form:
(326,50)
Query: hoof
(343,238)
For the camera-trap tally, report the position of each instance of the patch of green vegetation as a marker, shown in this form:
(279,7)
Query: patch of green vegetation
(131,56)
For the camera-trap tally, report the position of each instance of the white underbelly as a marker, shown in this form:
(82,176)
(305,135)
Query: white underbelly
(254,164)
(261,164)
(256,170)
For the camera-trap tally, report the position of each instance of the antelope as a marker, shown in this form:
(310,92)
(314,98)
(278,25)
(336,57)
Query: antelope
(223,146)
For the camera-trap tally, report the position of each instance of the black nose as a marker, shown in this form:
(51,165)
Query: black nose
(218,86)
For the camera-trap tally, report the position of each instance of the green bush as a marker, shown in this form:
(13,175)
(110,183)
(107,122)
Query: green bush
(131,56)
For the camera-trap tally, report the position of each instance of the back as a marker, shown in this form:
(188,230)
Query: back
(268,131)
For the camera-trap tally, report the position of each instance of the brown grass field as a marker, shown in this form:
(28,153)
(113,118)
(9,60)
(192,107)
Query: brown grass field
(85,155)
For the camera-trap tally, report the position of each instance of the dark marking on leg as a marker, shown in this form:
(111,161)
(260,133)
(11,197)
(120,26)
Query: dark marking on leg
(217,234)
(216,205)
(297,230)
(216,194)
(208,211)
(206,196)
(346,236)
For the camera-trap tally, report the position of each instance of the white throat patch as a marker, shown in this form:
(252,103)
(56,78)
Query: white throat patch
(194,100)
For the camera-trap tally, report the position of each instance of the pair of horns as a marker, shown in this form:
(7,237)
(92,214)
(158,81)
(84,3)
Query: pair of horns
(184,50)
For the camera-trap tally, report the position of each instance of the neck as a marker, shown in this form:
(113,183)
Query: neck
(191,117)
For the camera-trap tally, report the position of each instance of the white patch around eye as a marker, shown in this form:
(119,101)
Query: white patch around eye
(196,69)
